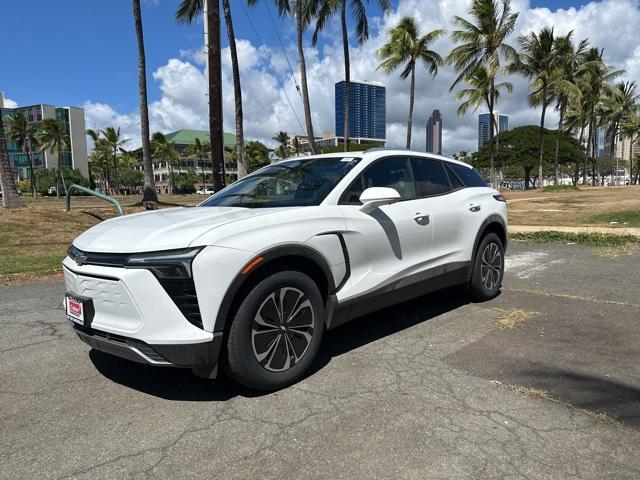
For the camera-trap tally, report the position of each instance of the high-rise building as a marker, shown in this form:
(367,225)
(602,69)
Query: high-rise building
(367,110)
(434,133)
(500,124)
(74,124)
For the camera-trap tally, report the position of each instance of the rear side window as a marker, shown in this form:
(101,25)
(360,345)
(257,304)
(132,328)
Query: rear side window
(469,176)
(453,178)
(393,172)
(431,179)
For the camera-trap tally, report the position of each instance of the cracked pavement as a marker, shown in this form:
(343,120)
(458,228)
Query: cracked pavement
(403,393)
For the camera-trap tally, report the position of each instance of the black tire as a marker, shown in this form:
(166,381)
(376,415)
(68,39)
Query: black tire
(265,352)
(488,269)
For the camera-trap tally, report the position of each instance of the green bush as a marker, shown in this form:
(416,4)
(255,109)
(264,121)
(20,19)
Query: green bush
(47,177)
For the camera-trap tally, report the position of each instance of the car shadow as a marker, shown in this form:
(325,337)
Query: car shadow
(180,384)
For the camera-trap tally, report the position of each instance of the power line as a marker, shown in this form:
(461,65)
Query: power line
(284,50)
(266,53)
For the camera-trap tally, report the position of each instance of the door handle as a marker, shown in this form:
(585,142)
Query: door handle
(421,218)
(474,207)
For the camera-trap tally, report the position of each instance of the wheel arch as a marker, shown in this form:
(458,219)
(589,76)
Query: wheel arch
(492,224)
(297,257)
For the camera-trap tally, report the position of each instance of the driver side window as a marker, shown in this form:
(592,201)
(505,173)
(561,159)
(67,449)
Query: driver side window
(392,172)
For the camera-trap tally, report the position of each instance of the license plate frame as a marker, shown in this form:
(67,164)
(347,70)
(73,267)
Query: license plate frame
(78,309)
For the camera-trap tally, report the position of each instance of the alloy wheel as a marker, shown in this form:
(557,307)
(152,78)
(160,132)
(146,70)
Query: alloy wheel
(282,329)
(491,266)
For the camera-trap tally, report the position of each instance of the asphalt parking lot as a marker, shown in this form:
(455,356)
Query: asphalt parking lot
(430,389)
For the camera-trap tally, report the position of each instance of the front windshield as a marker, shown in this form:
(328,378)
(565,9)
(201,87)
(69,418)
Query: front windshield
(290,183)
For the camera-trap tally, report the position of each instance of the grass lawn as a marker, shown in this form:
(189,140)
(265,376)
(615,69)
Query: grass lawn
(34,240)
(588,206)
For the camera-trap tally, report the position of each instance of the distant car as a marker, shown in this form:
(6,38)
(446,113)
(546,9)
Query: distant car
(51,191)
(206,191)
(252,277)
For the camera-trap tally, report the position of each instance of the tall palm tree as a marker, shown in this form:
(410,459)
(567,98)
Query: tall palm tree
(149,194)
(630,129)
(595,84)
(481,45)
(576,120)
(21,132)
(187,12)
(619,103)
(303,12)
(52,135)
(199,150)
(114,140)
(283,148)
(569,58)
(10,196)
(325,9)
(537,61)
(165,151)
(479,91)
(406,47)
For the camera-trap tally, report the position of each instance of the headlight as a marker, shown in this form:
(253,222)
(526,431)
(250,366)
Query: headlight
(169,265)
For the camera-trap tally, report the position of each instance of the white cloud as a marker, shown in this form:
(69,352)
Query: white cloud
(610,24)
(8,103)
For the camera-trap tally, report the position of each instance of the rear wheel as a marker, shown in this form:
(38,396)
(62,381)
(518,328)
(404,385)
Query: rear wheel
(488,268)
(276,332)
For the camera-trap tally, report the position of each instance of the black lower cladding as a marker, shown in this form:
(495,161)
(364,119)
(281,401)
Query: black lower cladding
(190,355)
(402,290)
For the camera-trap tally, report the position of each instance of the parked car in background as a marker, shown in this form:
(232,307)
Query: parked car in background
(205,191)
(250,279)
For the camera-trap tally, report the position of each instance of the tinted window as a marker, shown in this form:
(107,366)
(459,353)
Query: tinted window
(286,183)
(392,172)
(453,178)
(469,176)
(430,176)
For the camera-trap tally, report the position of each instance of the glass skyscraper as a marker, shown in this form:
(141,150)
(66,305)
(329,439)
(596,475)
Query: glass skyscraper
(367,110)
(434,133)
(501,124)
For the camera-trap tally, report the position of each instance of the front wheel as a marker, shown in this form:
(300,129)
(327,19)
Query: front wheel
(488,269)
(276,332)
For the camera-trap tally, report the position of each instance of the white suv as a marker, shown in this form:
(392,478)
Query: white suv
(252,277)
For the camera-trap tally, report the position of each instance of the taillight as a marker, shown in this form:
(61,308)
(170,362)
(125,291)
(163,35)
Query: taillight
(500,198)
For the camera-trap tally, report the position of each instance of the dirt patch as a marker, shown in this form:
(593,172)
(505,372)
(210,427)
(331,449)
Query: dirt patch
(513,318)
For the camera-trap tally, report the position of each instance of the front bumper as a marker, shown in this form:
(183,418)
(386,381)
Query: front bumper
(194,355)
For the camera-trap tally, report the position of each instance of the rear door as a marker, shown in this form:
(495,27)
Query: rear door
(391,242)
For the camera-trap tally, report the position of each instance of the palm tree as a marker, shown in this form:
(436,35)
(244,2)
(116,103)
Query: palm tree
(199,150)
(630,129)
(406,47)
(10,196)
(325,9)
(479,91)
(52,135)
(187,12)
(619,104)
(569,60)
(113,139)
(149,194)
(576,120)
(21,132)
(537,61)
(283,148)
(165,151)
(482,44)
(303,11)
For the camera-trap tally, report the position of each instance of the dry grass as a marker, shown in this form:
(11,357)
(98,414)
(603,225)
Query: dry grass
(584,207)
(33,240)
(544,395)
(513,318)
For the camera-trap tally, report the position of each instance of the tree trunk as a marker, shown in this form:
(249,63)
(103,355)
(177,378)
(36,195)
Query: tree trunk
(630,159)
(10,196)
(527,177)
(347,71)
(492,166)
(411,98)
(541,155)
(594,147)
(214,74)
(587,153)
(237,90)
(303,78)
(204,177)
(149,194)
(556,159)
(27,151)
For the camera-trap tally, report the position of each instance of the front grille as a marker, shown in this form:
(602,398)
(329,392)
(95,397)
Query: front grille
(183,294)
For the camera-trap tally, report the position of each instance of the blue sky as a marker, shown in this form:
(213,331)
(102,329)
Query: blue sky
(67,52)
(83,52)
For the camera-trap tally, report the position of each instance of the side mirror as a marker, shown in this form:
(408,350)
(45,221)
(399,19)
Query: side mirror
(375,197)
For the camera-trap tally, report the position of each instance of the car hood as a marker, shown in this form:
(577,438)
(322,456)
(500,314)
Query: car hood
(161,229)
